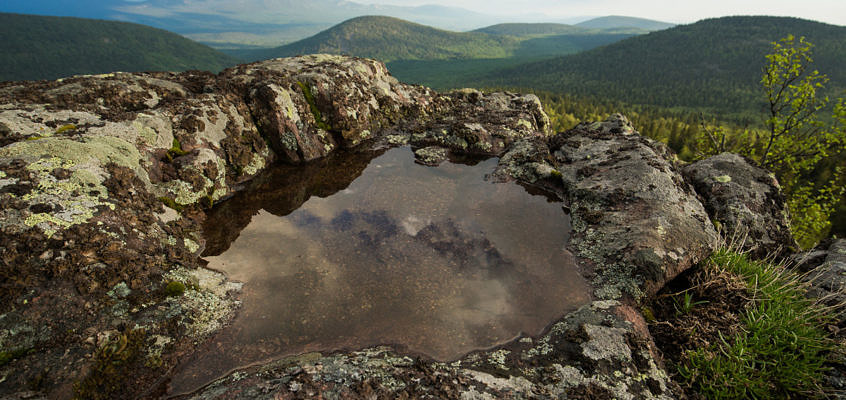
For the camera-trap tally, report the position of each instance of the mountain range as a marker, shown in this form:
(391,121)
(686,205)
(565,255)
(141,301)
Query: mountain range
(257,23)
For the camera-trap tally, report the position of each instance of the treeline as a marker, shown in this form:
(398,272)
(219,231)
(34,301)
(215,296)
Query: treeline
(388,39)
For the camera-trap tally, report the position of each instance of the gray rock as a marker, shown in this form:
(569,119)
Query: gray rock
(825,271)
(744,201)
(634,218)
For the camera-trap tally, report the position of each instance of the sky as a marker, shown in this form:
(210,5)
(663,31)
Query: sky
(676,11)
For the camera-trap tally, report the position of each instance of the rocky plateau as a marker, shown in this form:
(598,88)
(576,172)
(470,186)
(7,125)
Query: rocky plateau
(105,181)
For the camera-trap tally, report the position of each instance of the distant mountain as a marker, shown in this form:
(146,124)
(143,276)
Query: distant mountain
(712,64)
(620,22)
(388,39)
(39,47)
(529,29)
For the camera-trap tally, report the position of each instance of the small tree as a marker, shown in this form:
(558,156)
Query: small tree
(796,141)
(795,144)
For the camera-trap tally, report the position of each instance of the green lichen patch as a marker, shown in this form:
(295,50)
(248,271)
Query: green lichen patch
(65,128)
(257,163)
(191,245)
(722,179)
(171,203)
(77,197)
(205,305)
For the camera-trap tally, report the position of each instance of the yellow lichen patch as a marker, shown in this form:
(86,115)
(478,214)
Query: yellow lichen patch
(66,128)
(183,193)
(286,103)
(76,199)
(525,124)
(256,164)
(205,305)
(191,245)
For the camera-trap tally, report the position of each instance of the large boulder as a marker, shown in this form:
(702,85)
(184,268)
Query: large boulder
(744,201)
(636,222)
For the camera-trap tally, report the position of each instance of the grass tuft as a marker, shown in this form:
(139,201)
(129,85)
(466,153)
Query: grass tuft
(781,349)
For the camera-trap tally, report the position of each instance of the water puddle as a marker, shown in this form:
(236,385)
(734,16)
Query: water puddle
(353,252)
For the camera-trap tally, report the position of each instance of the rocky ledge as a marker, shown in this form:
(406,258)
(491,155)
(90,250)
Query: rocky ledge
(104,181)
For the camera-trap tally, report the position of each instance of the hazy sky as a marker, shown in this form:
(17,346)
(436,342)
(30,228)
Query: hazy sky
(679,11)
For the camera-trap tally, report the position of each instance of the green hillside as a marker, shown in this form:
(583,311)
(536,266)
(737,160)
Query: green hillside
(38,47)
(442,59)
(387,39)
(713,64)
(617,22)
(449,74)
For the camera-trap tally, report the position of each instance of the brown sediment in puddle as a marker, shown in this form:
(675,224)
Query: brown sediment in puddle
(345,254)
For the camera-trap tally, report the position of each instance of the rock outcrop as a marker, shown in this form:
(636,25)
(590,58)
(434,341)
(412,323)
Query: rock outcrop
(745,202)
(104,181)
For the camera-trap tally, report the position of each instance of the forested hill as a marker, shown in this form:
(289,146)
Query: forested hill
(39,47)
(388,39)
(617,22)
(713,64)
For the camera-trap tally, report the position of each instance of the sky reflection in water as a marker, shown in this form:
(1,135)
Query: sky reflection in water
(433,259)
